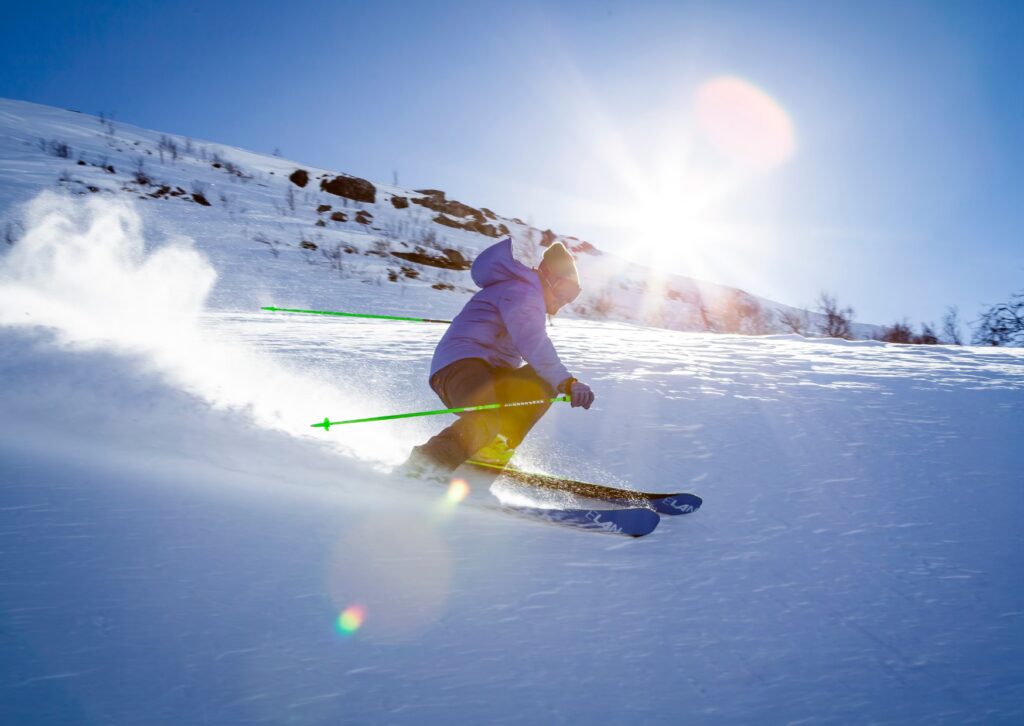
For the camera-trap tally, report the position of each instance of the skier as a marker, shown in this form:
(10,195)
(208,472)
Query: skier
(480,358)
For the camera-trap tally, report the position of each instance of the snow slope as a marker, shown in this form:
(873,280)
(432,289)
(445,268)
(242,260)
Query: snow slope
(177,543)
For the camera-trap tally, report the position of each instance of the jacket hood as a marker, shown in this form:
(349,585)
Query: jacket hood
(497,264)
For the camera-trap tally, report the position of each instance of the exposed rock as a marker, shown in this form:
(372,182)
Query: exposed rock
(585,247)
(456,258)
(452,208)
(299,177)
(488,213)
(350,187)
(340,217)
(323,208)
(483,228)
(307,245)
(200,199)
(448,259)
(399,202)
(321,223)
(362,216)
(546,238)
(473,225)
(447,221)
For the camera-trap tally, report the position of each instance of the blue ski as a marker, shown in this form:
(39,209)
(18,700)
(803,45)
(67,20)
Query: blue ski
(633,522)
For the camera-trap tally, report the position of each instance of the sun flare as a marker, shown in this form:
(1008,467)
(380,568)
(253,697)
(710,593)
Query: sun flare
(677,217)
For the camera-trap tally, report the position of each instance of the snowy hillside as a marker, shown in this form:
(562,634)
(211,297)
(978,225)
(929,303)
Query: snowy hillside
(295,235)
(178,545)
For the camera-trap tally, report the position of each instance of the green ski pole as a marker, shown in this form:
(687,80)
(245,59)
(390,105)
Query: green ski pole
(354,315)
(327,423)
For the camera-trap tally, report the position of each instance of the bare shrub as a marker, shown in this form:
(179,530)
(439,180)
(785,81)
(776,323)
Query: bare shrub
(899,332)
(269,242)
(168,145)
(796,321)
(107,122)
(55,148)
(927,335)
(951,327)
(139,172)
(334,256)
(1002,324)
(837,320)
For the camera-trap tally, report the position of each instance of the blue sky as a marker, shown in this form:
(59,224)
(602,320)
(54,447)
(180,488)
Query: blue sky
(902,193)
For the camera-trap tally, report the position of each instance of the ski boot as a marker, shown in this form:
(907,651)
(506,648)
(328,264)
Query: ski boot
(496,454)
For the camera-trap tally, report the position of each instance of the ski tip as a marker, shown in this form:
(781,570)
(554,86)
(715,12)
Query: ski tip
(675,504)
(647,524)
(634,522)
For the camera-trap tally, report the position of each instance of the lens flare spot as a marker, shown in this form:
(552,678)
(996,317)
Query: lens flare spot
(351,619)
(458,489)
(744,123)
(396,567)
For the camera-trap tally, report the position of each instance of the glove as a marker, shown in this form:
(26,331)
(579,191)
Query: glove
(580,395)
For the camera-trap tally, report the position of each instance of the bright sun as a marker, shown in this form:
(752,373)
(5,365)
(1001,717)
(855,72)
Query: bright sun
(677,216)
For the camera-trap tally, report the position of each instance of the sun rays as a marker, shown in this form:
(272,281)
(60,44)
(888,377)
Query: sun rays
(666,185)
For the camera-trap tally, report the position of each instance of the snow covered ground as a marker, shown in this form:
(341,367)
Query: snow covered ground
(177,543)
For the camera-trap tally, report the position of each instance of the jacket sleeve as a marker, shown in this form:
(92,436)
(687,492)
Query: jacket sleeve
(524,318)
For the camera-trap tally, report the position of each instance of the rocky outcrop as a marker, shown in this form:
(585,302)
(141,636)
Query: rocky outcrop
(472,225)
(299,177)
(458,215)
(350,187)
(446,259)
(436,201)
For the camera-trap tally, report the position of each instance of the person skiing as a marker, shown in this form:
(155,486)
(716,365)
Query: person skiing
(480,358)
